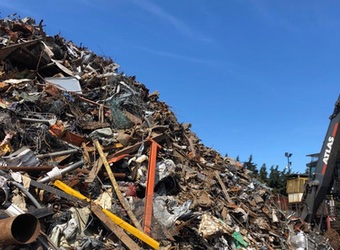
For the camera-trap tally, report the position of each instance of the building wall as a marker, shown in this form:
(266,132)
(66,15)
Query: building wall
(295,188)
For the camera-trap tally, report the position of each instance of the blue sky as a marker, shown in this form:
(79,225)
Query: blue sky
(253,77)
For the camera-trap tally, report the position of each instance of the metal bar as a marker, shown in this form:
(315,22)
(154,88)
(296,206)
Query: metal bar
(57,192)
(147,220)
(63,171)
(27,169)
(35,120)
(59,153)
(28,194)
(92,102)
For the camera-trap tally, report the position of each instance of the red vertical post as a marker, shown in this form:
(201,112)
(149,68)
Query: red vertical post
(147,218)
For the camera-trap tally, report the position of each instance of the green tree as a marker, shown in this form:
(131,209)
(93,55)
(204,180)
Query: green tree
(251,167)
(281,189)
(278,179)
(263,174)
(274,176)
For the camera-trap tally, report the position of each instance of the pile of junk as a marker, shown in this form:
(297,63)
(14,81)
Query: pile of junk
(89,159)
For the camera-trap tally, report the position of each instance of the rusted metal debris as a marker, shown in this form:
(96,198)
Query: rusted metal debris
(66,112)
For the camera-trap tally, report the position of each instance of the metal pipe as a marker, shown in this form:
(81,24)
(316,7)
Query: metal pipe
(22,229)
(56,172)
(28,194)
(59,153)
(22,189)
(92,102)
(72,167)
(37,204)
(35,120)
(28,169)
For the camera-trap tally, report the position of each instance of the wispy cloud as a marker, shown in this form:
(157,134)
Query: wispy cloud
(178,24)
(274,18)
(190,59)
(9,7)
(92,4)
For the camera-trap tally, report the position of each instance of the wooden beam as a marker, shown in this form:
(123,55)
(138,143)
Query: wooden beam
(116,187)
(119,232)
(95,169)
(224,189)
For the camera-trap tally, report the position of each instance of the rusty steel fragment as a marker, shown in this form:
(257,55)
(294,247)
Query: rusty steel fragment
(149,192)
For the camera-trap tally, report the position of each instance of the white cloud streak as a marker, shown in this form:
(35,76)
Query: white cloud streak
(272,17)
(185,58)
(178,24)
(9,7)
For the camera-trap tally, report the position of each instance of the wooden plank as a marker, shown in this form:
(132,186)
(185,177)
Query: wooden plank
(224,189)
(248,211)
(116,187)
(134,148)
(95,169)
(119,232)
(86,154)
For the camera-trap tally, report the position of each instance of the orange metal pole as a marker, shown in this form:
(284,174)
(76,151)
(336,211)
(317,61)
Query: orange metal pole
(147,218)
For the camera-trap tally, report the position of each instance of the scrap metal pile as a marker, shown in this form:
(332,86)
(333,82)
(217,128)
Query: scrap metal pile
(91,160)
